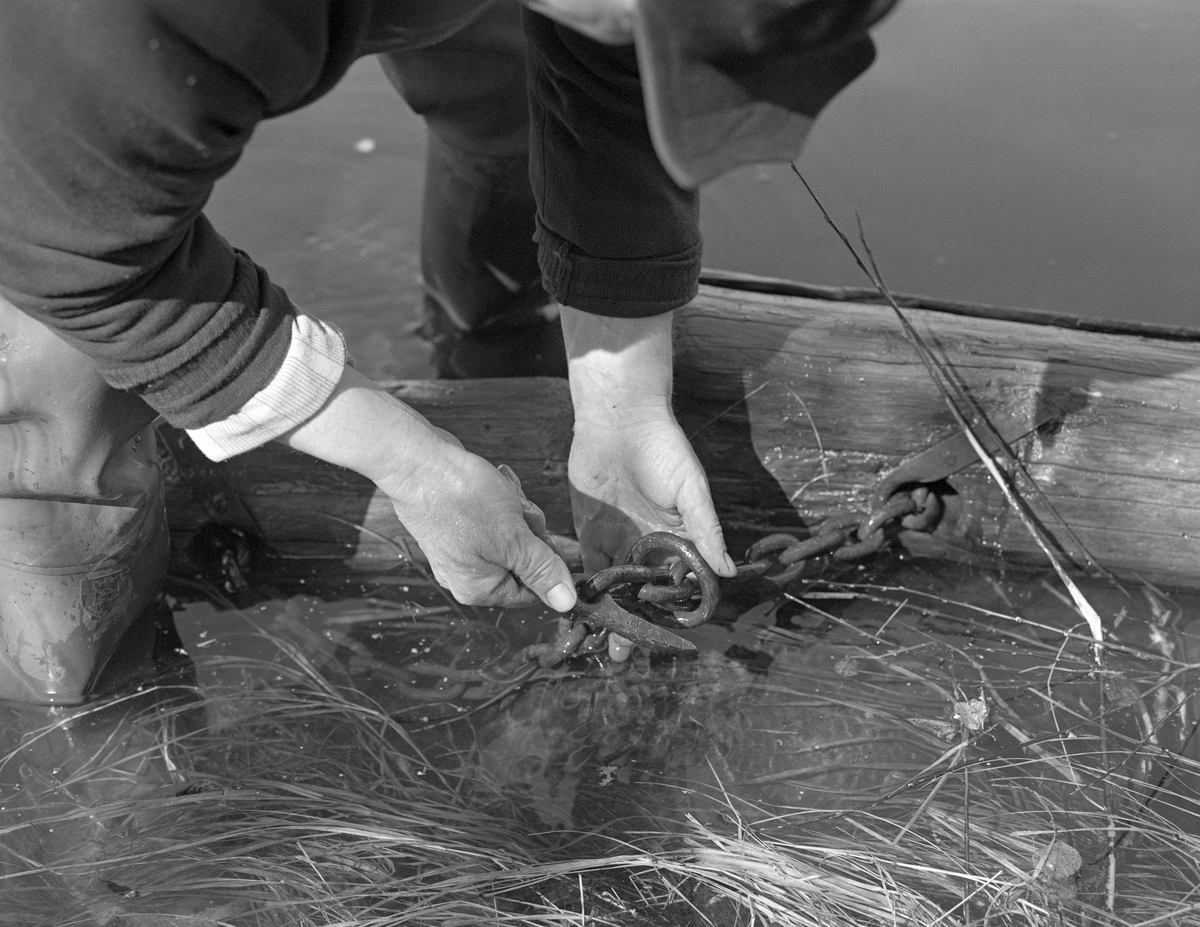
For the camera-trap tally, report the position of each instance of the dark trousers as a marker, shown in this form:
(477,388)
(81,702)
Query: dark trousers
(485,305)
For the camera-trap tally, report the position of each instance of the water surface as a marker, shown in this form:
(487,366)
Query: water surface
(347,749)
(1034,153)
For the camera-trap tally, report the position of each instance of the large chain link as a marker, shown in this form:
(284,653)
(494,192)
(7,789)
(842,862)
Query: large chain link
(688,590)
(845,536)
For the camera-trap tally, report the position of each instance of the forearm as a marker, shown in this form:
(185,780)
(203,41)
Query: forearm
(480,533)
(364,428)
(102,239)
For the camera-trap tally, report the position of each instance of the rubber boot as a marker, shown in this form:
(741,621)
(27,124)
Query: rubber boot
(83,535)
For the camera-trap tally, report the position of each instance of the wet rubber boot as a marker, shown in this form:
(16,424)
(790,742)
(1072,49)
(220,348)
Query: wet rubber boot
(83,534)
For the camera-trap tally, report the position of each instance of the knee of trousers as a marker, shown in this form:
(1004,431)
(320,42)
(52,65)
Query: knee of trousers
(470,86)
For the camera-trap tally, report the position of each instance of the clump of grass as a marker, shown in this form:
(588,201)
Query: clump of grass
(302,805)
(280,797)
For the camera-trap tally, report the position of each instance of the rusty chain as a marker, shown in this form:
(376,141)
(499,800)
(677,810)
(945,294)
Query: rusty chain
(684,590)
(688,591)
(845,536)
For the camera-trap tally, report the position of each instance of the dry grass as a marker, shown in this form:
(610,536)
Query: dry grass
(891,766)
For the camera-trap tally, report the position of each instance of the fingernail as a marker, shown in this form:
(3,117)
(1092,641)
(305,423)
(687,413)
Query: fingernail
(619,648)
(561,597)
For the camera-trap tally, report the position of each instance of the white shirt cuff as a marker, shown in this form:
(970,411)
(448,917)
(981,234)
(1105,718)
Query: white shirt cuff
(312,368)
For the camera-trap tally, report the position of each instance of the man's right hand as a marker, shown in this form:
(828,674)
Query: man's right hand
(486,542)
(479,532)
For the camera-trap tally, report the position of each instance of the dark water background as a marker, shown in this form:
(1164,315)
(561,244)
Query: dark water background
(1033,153)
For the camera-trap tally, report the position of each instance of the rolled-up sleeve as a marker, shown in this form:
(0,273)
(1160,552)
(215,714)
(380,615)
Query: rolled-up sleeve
(309,375)
(616,236)
(116,119)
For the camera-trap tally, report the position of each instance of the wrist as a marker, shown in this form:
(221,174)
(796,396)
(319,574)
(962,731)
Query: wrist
(412,459)
(364,428)
(618,369)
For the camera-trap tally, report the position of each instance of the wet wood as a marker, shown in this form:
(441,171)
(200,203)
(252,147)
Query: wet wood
(310,511)
(797,404)
(824,397)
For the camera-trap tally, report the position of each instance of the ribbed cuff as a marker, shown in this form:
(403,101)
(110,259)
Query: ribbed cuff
(619,288)
(310,372)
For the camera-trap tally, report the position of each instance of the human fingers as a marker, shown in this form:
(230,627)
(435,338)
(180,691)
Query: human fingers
(513,573)
(534,517)
(605,533)
(485,541)
(481,585)
(701,525)
(619,648)
(541,570)
(449,437)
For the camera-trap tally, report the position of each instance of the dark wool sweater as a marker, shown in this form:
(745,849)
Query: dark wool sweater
(118,116)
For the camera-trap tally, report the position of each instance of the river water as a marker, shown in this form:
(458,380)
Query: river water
(1037,153)
(359,749)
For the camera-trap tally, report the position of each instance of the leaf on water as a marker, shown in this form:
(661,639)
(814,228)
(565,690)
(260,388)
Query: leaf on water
(1057,870)
(1061,862)
(972,713)
(1119,690)
(123,890)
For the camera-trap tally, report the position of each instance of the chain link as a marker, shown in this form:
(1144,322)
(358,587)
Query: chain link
(666,588)
(670,589)
(845,536)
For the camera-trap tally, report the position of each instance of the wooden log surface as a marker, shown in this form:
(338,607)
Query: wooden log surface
(825,397)
(797,406)
(311,511)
